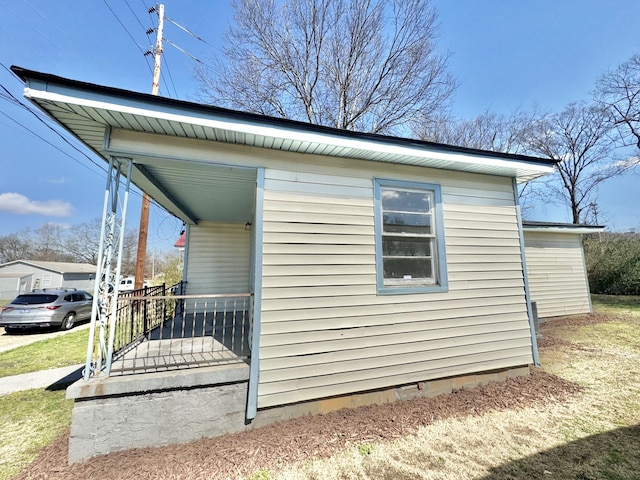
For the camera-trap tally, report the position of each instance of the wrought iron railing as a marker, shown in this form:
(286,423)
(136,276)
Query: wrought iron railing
(171,331)
(141,311)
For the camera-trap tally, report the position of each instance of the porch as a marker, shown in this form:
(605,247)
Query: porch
(158,329)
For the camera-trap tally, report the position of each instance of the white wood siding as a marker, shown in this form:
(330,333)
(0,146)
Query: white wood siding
(324,329)
(556,273)
(219,255)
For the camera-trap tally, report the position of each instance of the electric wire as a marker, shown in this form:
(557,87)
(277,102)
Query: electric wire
(175,91)
(13,100)
(129,35)
(184,29)
(144,29)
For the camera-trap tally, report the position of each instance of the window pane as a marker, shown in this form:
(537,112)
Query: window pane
(406,246)
(404,201)
(407,268)
(418,223)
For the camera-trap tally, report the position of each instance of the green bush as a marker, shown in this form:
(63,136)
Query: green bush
(613,263)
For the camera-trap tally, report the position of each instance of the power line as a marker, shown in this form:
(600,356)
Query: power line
(9,97)
(129,34)
(136,17)
(166,65)
(54,146)
(185,29)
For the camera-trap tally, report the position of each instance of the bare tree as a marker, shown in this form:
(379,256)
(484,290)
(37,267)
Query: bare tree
(494,132)
(365,65)
(619,92)
(47,243)
(82,244)
(488,131)
(15,246)
(578,137)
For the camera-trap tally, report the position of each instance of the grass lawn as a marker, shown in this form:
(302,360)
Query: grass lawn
(30,420)
(594,434)
(62,351)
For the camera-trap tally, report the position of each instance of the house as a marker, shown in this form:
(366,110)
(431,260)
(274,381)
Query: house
(26,275)
(556,268)
(376,267)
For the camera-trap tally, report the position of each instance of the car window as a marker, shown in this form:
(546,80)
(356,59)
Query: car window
(68,298)
(35,299)
(87,296)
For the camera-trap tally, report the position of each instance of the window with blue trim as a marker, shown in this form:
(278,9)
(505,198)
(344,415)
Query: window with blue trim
(410,255)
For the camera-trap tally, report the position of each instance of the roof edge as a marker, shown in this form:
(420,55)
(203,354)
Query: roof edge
(25,75)
(554,227)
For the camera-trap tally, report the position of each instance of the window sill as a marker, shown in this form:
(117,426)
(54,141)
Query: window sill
(411,290)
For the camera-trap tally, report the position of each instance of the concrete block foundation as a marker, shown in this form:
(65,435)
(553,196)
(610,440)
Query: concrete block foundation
(165,408)
(156,409)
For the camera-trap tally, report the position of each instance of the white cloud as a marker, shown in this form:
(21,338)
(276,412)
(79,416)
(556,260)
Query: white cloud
(21,205)
(57,181)
(629,162)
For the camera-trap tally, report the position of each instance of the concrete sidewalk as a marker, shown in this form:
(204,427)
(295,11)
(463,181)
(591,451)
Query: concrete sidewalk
(52,379)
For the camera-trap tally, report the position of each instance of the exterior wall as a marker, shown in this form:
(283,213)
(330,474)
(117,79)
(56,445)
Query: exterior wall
(81,281)
(556,270)
(10,285)
(24,278)
(324,329)
(38,275)
(219,257)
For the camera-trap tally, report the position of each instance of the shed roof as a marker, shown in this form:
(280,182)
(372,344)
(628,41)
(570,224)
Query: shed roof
(553,227)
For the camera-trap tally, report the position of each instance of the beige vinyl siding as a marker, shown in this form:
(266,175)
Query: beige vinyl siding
(556,273)
(325,330)
(219,256)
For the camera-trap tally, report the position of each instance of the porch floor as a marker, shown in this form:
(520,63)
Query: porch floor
(175,354)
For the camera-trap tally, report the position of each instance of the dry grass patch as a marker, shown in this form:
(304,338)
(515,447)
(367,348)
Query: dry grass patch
(595,435)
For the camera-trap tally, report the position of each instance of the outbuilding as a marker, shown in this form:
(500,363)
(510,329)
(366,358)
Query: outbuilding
(556,267)
(26,275)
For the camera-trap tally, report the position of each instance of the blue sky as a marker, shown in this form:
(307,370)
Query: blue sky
(506,55)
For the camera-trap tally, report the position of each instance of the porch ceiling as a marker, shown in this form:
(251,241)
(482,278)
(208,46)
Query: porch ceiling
(88,111)
(197,192)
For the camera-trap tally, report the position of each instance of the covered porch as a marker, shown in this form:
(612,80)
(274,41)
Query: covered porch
(207,318)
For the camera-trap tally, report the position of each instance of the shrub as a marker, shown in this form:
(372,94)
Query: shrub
(613,263)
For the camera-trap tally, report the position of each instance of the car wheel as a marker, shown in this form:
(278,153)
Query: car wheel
(67,323)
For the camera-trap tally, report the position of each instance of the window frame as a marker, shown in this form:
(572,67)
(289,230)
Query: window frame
(438,254)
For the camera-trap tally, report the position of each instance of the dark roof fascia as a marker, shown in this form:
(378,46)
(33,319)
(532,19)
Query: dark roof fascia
(568,227)
(26,74)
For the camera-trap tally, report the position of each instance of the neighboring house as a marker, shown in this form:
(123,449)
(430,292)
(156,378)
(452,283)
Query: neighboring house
(379,267)
(26,275)
(556,268)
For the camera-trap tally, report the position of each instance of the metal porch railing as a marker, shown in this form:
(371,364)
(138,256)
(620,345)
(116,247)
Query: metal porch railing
(175,331)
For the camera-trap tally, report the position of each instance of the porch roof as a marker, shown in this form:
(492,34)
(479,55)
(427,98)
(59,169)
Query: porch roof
(90,111)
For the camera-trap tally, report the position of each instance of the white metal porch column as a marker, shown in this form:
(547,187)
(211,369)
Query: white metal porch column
(105,298)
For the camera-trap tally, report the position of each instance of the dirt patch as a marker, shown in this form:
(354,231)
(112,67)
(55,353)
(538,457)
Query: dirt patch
(239,455)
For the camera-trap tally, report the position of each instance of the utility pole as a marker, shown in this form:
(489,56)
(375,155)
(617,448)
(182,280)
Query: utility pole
(144,213)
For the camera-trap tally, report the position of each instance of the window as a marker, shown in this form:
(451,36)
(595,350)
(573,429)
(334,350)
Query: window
(46,280)
(410,250)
